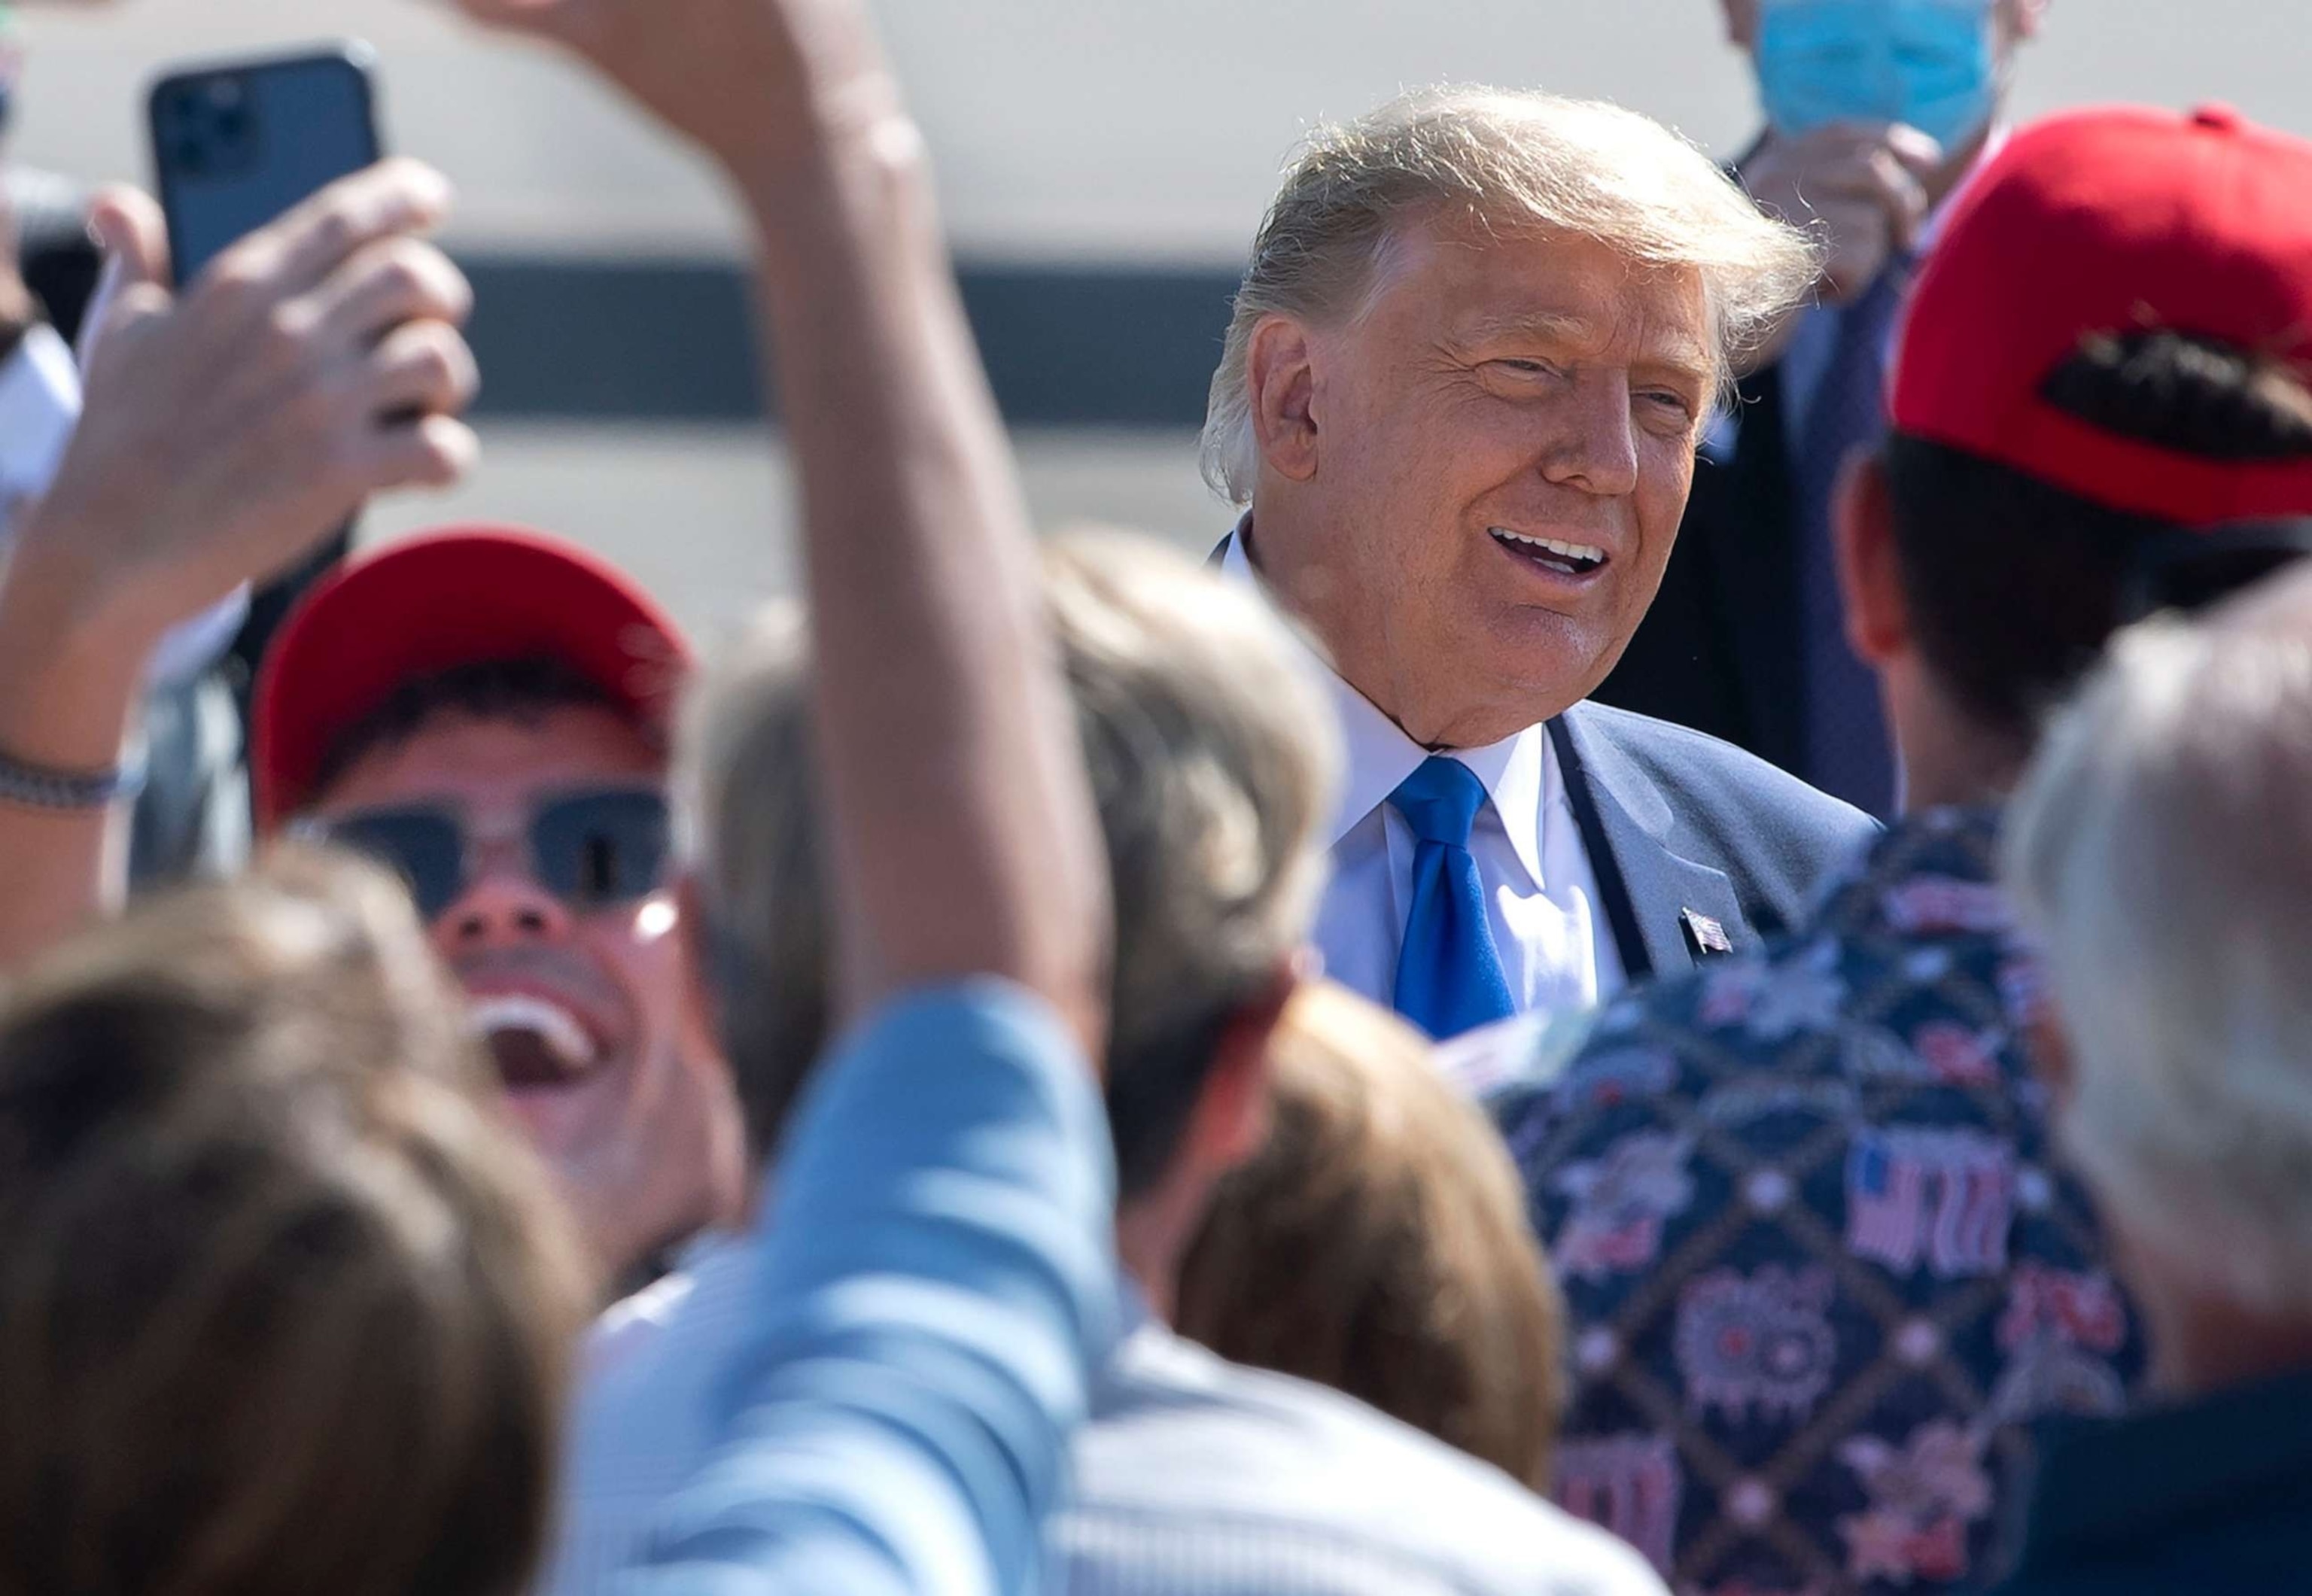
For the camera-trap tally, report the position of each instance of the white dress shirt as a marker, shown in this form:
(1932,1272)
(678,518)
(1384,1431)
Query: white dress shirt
(40,407)
(1556,945)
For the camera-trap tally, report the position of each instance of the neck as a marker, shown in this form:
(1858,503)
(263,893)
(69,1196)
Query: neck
(1961,161)
(1150,1248)
(1948,758)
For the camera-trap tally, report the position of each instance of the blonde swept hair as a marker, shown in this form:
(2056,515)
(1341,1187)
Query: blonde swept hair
(1379,1244)
(1214,761)
(284,1306)
(1505,163)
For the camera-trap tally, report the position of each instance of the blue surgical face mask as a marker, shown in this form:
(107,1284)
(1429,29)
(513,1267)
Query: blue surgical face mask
(1928,63)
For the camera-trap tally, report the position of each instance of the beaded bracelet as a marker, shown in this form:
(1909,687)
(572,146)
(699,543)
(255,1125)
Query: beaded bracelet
(39,786)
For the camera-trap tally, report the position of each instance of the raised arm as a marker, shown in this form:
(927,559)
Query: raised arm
(222,433)
(960,815)
(937,1278)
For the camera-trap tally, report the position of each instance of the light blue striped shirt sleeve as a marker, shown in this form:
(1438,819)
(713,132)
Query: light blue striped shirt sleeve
(932,1290)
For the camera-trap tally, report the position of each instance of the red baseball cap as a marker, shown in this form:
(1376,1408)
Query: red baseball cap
(2112,221)
(460,595)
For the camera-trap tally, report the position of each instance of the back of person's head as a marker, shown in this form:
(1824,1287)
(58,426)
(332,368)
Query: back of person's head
(2162,849)
(2013,585)
(282,1307)
(1212,759)
(1379,1244)
(2108,351)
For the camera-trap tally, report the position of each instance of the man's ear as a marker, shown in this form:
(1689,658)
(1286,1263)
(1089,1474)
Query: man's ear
(1280,370)
(1230,1123)
(2048,1046)
(1869,573)
(700,994)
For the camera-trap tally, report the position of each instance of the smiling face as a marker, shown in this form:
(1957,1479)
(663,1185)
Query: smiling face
(607,1064)
(1471,489)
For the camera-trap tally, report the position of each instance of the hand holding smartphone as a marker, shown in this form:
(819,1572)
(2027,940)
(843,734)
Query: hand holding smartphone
(230,428)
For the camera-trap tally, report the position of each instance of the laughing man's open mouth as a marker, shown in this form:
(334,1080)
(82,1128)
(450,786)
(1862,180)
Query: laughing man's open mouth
(536,1044)
(1566,559)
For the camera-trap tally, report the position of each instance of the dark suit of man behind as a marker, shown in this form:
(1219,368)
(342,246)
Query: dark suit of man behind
(1748,640)
(1465,456)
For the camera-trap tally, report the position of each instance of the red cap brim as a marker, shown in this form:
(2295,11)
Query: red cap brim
(462,596)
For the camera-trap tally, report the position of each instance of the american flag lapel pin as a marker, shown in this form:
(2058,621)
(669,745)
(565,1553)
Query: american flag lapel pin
(1704,936)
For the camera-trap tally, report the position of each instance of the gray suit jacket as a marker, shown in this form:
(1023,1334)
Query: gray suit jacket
(1683,829)
(1687,833)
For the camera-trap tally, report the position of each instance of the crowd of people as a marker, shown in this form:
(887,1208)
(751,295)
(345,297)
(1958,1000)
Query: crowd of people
(1375,1064)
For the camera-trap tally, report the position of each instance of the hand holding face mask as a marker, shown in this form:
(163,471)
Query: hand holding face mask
(1865,99)
(1862,188)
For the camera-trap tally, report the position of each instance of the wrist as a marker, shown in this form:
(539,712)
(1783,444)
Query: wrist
(803,151)
(69,643)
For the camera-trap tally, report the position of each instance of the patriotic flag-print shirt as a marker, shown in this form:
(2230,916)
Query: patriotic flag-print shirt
(1820,1265)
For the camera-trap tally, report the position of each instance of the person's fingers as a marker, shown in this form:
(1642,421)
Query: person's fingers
(1880,181)
(1904,195)
(133,236)
(134,241)
(391,282)
(1835,143)
(297,253)
(422,369)
(433,451)
(1920,154)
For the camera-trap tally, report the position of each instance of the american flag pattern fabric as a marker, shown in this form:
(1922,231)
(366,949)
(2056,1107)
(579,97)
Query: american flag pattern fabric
(1820,1264)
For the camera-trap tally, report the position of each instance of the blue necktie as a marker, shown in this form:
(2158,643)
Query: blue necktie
(1448,973)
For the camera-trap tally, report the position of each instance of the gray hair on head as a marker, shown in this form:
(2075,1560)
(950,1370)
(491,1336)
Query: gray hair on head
(2162,850)
(1508,162)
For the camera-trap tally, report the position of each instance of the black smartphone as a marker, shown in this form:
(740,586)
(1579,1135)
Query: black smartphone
(235,144)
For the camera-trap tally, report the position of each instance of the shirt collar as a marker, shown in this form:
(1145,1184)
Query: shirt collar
(1520,773)
(1933,231)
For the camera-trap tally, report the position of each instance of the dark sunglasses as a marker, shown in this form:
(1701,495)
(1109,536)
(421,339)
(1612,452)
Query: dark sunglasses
(593,850)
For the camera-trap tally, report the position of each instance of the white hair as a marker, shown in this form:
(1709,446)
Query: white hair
(2162,847)
(1214,757)
(1508,162)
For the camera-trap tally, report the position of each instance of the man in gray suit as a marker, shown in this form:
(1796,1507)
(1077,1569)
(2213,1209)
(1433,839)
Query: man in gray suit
(1471,361)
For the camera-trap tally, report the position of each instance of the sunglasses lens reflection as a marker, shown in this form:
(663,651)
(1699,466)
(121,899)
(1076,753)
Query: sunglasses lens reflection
(423,847)
(601,848)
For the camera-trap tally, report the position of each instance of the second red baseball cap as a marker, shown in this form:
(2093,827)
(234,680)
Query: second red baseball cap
(2112,221)
(460,595)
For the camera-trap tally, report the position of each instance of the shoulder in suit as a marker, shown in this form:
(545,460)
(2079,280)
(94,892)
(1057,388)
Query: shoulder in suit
(1686,831)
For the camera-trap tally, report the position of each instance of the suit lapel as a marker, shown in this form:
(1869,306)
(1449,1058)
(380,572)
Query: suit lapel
(1626,825)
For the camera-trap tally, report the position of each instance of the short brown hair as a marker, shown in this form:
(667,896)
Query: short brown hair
(283,1307)
(1379,1245)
